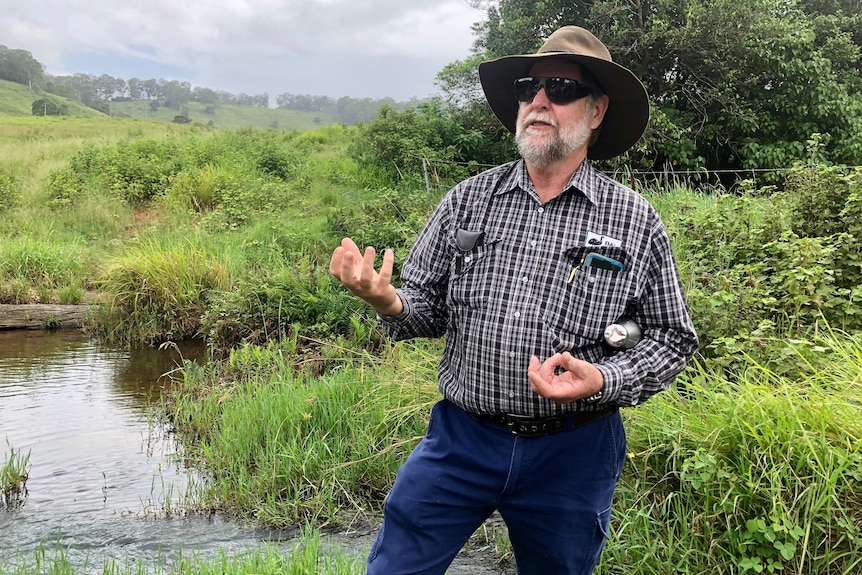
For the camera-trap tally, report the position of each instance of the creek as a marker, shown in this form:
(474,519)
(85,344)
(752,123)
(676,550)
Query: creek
(106,481)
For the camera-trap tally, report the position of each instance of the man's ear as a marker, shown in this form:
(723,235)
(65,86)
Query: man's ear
(597,114)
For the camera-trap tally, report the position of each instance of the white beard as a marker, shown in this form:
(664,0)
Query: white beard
(542,151)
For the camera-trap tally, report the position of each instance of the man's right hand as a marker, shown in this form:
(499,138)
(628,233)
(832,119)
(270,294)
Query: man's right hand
(356,271)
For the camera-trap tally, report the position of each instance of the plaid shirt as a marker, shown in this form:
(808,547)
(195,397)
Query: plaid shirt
(520,289)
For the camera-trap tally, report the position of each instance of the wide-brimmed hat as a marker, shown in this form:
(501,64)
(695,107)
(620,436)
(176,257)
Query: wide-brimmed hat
(628,109)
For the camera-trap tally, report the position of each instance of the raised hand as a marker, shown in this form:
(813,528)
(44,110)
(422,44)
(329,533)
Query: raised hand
(356,271)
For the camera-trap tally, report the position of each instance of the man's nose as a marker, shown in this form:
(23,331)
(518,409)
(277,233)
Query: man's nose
(541,98)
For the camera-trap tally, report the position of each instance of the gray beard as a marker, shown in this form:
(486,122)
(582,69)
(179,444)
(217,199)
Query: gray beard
(547,151)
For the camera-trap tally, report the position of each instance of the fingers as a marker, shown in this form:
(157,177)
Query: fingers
(356,271)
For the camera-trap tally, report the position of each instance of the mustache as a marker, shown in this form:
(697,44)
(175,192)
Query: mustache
(534,117)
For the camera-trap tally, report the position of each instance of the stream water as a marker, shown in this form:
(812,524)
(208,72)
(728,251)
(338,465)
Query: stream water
(105,480)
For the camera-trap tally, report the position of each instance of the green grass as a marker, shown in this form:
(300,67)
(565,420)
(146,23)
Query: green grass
(13,478)
(227,116)
(308,555)
(17,100)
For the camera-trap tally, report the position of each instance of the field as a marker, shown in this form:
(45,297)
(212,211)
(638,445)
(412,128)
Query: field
(751,465)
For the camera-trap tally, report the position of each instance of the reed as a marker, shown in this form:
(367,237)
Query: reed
(13,477)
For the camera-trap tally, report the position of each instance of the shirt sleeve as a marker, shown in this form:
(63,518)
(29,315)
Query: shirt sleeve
(424,281)
(668,336)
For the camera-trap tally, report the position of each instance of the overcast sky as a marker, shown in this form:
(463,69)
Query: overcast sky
(357,48)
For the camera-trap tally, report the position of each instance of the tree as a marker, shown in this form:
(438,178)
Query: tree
(733,84)
(21,67)
(49,107)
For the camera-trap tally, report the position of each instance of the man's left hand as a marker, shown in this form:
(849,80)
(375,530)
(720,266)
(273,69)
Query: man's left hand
(579,380)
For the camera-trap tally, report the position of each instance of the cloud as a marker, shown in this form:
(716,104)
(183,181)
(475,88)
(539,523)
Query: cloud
(359,48)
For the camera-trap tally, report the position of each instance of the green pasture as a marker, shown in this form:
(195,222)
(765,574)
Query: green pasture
(304,411)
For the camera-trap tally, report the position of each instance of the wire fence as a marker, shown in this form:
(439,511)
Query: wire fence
(695,178)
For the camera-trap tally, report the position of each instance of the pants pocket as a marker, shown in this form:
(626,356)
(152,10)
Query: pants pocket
(600,534)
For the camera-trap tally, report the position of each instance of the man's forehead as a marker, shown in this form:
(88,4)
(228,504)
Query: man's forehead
(556,68)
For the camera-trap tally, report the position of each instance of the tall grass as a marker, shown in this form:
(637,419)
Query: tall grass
(161,288)
(284,447)
(13,477)
(758,473)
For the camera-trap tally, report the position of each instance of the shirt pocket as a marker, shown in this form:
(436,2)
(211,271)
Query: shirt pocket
(584,300)
(471,276)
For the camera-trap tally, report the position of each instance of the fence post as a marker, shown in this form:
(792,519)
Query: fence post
(425,172)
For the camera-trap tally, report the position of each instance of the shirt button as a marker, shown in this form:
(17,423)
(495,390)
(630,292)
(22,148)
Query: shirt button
(467,259)
(511,394)
(524,279)
(533,243)
(511,355)
(541,210)
(592,279)
(517,314)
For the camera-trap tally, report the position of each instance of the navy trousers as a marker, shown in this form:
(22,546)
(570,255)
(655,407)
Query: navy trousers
(554,492)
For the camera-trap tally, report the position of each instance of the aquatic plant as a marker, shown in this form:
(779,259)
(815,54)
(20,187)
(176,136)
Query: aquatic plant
(13,478)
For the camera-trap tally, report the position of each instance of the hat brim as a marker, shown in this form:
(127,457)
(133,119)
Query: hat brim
(628,111)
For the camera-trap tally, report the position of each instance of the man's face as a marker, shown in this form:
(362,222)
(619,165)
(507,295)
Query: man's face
(546,132)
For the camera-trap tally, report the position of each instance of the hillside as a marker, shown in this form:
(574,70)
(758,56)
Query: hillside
(228,116)
(17,100)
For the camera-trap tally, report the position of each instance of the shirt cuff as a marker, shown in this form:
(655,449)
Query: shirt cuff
(614,378)
(394,320)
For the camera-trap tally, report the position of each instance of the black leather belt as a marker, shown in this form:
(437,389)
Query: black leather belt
(524,426)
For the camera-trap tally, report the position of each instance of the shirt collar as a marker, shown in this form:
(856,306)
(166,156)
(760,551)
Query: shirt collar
(583,180)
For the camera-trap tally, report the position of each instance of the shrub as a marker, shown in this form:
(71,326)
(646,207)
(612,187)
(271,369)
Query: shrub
(10,191)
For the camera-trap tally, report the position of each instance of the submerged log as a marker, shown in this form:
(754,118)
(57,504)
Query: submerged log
(42,316)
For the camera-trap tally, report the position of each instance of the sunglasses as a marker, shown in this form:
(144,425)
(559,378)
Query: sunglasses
(558,90)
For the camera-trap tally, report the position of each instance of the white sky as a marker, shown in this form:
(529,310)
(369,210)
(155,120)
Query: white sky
(356,48)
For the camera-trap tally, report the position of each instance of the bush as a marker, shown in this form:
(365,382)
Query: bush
(10,191)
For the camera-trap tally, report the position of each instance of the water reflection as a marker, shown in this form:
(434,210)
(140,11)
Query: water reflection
(101,475)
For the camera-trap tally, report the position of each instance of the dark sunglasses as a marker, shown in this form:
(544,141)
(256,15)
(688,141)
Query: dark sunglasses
(558,90)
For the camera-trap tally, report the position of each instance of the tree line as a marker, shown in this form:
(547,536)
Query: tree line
(97,91)
(734,85)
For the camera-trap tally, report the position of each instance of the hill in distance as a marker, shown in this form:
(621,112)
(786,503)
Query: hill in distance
(17,101)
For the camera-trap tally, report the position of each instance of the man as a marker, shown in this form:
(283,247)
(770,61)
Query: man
(522,268)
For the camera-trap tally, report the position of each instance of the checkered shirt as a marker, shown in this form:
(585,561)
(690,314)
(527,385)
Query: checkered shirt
(522,290)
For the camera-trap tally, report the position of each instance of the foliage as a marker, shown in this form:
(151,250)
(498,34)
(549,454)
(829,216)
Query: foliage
(29,267)
(302,301)
(19,66)
(284,447)
(50,107)
(140,170)
(755,474)
(14,472)
(733,85)
(10,191)
(392,220)
(407,143)
(765,264)
(158,292)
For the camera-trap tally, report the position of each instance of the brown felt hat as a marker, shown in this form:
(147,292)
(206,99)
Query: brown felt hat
(628,108)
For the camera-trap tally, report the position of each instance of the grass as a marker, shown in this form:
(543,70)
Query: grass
(310,554)
(752,473)
(13,478)
(227,116)
(290,447)
(306,413)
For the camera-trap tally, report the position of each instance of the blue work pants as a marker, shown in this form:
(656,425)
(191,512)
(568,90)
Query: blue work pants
(554,492)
